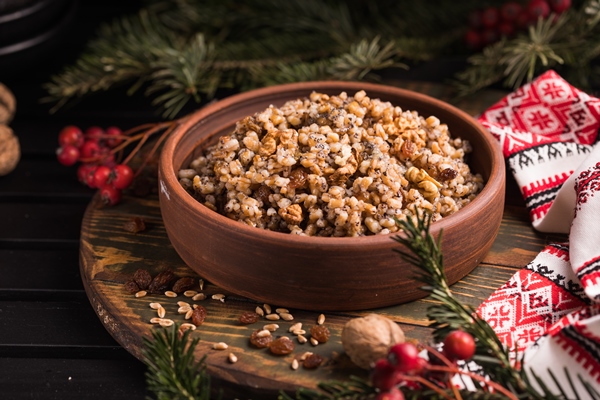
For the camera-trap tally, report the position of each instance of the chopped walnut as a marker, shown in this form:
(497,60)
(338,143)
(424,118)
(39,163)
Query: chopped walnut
(291,214)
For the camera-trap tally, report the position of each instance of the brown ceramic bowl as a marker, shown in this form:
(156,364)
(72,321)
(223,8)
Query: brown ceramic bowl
(317,273)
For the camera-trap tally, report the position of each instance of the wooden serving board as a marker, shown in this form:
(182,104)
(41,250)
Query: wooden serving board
(109,255)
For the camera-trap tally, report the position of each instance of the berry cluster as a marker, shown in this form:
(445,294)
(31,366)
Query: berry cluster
(95,151)
(403,366)
(488,25)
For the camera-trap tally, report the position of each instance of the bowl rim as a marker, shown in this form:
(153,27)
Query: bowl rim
(168,175)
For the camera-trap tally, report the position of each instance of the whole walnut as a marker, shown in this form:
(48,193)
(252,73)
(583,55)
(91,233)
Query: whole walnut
(368,339)
(10,150)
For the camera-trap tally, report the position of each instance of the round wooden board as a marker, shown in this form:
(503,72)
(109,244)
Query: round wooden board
(109,255)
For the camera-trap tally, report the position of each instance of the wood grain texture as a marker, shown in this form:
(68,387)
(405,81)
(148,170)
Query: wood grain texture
(110,256)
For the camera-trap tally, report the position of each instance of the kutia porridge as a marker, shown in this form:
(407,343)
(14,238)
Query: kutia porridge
(333,166)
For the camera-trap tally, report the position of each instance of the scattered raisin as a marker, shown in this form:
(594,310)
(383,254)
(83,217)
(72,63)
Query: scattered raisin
(447,174)
(282,346)
(312,361)
(183,284)
(260,341)
(262,194)
(249,317)
(131,287)
(198,315)
(320,333)
(161,282)
(408,148)
(142,278)
(298,178)
(135,225)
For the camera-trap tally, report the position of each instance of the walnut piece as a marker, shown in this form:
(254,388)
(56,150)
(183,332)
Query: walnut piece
(368,339)
(8,105)
(291,214)
(10,150)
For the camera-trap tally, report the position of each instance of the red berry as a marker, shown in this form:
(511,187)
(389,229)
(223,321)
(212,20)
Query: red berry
(101,176)
(473,39)
(523,21)
(490,17)
(510,11)
(121,176)
(93,134)
(113,131)
(559,6)
(392,394)
(89,179)
(475,19)
(459,345)
(90,149)
(404,357)
(384,375)
(489,36)
(110,195)
(538,9)
(71,135)
(67,155)
(506,29)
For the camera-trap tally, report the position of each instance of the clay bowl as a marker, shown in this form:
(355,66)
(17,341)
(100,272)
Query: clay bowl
(316,273)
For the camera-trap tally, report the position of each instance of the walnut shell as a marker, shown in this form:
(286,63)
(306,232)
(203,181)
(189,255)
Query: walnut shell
(8,104)
(368,339)
(10,151)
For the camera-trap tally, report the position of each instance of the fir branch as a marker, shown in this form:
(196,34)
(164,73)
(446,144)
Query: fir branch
(173,373)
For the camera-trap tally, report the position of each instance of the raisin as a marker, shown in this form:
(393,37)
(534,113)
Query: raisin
(282,346)
(260,341)
(312,361)
(183,284)
(249,317)
(320,333)
(408,148)
(135,225)
(198,315)
(298,178)
(161,282)
(262,194)
(142,278)
(447,174)
(131,287)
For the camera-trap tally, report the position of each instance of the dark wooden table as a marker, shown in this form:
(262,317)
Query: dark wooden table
(52,343)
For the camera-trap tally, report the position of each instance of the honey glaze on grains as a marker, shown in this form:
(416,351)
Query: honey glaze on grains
(333,166)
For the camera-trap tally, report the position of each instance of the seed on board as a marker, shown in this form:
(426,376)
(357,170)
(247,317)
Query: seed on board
(267,308)
(183,304)
(201,284)
(232,358)
(161,312)
(302,339)
(184,309)
(219,296)
(199,297)
(286,316)
(259,311)
(190,293)
(263,333)
(220,346)
(155,306)
(314,341)
(306,354)
(299,332)
(282,310)
(321,319)
(189,314)
(166,322)
(141,293)
(272,317)
(271,327)
(186,325)
(297,326)
(294,364)
(155,320)
(170,293)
